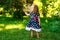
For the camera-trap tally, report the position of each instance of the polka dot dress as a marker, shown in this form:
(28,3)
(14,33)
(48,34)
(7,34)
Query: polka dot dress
(33,23)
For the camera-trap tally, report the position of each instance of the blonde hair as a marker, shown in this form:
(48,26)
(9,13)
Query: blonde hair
(36,10)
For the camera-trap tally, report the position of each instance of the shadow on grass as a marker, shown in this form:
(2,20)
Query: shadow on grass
(8,20)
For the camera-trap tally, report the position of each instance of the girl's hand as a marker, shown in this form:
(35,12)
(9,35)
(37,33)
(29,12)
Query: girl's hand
(26,12)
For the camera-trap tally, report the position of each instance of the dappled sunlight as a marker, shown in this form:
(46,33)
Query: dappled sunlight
(13,19)
(1,29)
(46,20)
(0,15)
(21,26)
(24,21)
(41,15)
(55,5)
(11,26)
(25,16)
(2,24)
(8,15)
(48,15)
(1,8)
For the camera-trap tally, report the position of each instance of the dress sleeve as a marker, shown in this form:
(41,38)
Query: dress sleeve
(38,14)
(30,13)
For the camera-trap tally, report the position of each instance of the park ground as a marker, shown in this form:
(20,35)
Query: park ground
(14,29)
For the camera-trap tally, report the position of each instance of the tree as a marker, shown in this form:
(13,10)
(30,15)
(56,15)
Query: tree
(14,5)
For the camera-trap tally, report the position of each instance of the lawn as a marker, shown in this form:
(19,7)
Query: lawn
(13,29)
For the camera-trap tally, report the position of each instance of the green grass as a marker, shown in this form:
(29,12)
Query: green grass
(48,30)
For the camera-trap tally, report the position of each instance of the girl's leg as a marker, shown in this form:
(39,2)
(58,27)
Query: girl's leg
(32,32)
(37,34)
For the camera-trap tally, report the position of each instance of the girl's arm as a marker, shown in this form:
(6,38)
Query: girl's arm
(27,14)
(39,20)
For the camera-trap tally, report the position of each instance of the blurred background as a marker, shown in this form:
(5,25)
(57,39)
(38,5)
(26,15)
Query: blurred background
(13,19)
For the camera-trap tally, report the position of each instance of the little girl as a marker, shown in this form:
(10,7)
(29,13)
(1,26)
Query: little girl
(34,22)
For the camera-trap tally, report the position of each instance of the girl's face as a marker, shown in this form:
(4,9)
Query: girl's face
(33,9)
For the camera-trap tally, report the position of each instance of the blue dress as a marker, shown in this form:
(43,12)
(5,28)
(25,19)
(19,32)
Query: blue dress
(33,23)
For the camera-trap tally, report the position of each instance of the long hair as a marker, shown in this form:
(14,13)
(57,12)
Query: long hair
(36,7)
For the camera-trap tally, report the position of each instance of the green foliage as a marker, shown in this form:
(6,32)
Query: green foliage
(29,1)
(52,24)
(44,10)
(18,14)
(8,6)
(49,7)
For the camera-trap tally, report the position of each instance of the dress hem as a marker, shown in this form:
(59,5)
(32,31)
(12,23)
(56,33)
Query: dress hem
(30,28)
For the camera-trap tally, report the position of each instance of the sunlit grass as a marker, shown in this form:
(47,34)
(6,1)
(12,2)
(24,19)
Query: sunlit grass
(0,15)
(11,26)
(1,29)
(25,16)
(2,25)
